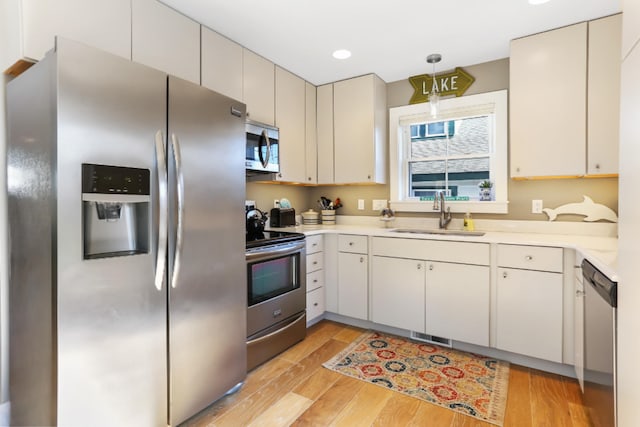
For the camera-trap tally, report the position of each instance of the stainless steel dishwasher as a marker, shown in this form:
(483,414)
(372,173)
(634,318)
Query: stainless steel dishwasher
(599,345)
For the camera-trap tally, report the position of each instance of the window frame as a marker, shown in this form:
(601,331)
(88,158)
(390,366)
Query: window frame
(497,103)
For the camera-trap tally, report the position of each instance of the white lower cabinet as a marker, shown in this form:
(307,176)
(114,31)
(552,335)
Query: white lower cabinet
(457,302)
(529,301)
(529,313)
(398,292)
(353,277)
(315,278)
(427,294)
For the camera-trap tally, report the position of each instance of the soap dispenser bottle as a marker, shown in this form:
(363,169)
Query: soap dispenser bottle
(468,222)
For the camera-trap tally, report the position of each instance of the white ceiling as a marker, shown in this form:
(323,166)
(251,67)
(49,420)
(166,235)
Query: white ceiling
(391,38)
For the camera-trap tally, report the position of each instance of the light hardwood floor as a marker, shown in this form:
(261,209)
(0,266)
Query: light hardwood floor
(294,389)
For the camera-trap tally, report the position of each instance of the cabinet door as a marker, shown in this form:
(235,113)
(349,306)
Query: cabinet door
(397,292)
(352,285)
(529,313)
(311,147)
(603,110)
(221,64)
(325,134)
(353,130)
(457,302)
(258,79)
(166,40)
(578,328)
(548,103)
(290,119)
(105,25)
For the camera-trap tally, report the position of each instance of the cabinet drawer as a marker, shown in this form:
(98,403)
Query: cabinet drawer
(315,280)
(314,244)
(432,250)
(315,262)
(352,243)
(315,303)
(530,257)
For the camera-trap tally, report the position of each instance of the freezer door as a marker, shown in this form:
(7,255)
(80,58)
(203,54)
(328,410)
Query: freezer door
(112,345)
(207,291)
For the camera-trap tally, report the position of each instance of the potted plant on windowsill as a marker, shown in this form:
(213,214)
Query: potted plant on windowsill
(485,190)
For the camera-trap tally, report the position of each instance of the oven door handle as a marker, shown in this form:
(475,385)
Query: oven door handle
(272,251)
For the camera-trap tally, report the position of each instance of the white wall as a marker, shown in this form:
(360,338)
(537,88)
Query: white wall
(628,386)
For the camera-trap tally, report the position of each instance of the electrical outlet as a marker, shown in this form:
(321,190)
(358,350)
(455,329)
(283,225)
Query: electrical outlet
(378,205)
(360,204)
(536,206)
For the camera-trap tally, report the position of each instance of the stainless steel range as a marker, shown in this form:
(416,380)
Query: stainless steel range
(276,286)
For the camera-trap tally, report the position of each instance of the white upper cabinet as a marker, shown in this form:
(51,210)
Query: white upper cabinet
(221,64)
(360,130)
(290,118)
(548,78)
(102,24)
(325,133)
(311,148)
(166,40)
(259,88)
(564,97)
(603,110)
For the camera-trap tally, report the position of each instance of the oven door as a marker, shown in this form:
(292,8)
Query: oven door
(276,284)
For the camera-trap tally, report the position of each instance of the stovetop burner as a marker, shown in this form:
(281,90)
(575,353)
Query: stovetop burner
(265,238)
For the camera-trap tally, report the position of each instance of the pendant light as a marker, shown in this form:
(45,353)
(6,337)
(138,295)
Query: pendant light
(434,96)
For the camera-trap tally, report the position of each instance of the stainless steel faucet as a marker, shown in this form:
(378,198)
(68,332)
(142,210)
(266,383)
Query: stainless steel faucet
(444,221)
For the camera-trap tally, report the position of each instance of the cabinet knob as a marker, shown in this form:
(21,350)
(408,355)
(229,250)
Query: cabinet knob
(309,178)
(430,266)
(597,165)
(314,245)
(517,169)
(315,280)
(315,262)
(280,175)
(315,304)
(419,266)
(579,293)
(528,258)
(361,259)
(504,274)
(350,243)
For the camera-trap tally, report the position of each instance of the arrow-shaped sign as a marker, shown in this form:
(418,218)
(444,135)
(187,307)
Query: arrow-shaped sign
(454,83)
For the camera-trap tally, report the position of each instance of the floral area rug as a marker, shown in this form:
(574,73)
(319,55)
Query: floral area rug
(464,382)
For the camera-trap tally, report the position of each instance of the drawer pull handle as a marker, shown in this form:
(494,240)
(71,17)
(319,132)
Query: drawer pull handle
(528,258)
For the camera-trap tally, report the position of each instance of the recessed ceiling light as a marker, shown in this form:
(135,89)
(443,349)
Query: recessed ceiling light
(342,54)
(536,2)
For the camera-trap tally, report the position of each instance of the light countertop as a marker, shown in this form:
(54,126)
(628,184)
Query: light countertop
(597,247)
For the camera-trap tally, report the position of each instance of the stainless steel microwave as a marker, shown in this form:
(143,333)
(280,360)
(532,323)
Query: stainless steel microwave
(263,150)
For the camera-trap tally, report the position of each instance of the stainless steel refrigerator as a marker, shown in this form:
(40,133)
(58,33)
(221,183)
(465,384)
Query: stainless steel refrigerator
(126,207)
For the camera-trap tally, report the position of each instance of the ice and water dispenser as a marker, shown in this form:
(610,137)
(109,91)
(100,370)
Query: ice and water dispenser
(115,205)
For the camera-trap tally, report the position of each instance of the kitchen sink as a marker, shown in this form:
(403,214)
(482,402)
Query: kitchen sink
(438,231)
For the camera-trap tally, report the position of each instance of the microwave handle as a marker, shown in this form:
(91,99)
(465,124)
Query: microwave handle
(264,159)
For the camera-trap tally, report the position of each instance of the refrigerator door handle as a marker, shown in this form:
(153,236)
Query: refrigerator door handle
(161,166)
(175,145)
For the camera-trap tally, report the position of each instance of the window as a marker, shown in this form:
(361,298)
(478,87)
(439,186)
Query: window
(453,153)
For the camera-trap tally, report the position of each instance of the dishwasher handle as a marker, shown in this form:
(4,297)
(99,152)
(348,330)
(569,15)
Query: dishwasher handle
(605,287)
